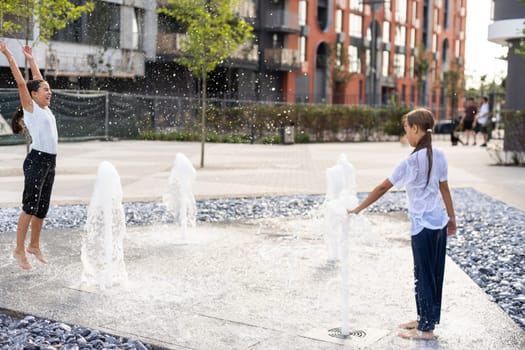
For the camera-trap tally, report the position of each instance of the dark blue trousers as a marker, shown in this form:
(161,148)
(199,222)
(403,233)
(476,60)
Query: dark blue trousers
(429,251)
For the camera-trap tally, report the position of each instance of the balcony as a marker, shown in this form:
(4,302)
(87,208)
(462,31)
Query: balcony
(282,59)
(280,20)
(245,9)
(247,55)
(84,61)
(169,43)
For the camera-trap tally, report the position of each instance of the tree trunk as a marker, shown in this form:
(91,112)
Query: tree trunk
(203,117)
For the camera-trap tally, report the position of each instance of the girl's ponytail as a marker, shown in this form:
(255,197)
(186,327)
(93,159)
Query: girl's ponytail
(424,119)
(17,121)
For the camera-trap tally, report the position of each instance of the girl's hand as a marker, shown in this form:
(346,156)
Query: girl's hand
(451,227)
(352,211)
(3,46)
(28,51)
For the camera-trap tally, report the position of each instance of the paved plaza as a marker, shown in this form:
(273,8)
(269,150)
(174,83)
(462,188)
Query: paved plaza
(253,284)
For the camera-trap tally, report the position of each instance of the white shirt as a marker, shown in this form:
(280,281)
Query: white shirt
(42,127)
(425,205)
(483,113)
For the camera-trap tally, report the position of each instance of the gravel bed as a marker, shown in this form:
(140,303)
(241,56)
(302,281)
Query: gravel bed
(489,247)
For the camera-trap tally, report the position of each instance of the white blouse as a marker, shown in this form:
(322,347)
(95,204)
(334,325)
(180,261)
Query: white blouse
(425,205)
(42,127)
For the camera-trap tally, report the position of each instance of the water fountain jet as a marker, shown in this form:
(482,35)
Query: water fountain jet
(179,199)
(102,251)
(338,225)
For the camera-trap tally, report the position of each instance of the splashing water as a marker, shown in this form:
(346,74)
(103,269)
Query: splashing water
(102,251)
(340,195)
(179,199)
(338,225)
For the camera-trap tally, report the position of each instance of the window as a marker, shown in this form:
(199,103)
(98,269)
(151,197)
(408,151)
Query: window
(277,41)
(302,12)
(387,6)
(302,49)
(412,38)
(100,27)
(338,54)
(356,5)
(339,21)
(400,39)
(412,65)
(414,11)
(444,51)
(445,14)
(354,59)
(356,26)
(401,11)
(386,59)
(386,32)
(138,29)
(399,65)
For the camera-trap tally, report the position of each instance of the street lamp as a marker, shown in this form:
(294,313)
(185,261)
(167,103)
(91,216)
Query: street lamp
(374,5)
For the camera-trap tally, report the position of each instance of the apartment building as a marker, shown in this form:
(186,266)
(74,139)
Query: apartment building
(109,47)
(386,45)
(305,51)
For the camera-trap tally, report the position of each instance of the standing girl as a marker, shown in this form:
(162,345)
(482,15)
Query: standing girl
(424,175)
(39,164)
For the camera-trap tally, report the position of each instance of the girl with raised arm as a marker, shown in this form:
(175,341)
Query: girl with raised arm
(39,164)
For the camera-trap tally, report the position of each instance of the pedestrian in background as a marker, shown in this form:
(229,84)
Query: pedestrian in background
(471,110)
(482,120)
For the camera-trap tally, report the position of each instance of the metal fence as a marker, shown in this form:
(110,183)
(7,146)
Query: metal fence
(84,115)
(95,114)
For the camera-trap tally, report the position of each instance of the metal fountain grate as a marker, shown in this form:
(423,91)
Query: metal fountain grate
(336,333)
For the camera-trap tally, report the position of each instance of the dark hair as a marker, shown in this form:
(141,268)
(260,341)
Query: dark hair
(17,120)
(18,115)
(424,119)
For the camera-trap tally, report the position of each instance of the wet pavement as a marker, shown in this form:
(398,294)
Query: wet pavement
(259,284)
(254,284)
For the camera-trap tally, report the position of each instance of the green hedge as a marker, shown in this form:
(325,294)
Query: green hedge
(317,123)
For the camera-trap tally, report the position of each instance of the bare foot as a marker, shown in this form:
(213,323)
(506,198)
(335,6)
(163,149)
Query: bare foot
(416,334)
(38,253)
(21,259)
(409,325)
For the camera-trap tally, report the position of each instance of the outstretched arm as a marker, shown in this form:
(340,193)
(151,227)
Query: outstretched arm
(449,206)
(23,92)
(35,72)
(376,193)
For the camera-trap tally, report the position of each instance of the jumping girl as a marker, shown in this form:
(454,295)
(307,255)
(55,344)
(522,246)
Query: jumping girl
(39,164)
(424,175)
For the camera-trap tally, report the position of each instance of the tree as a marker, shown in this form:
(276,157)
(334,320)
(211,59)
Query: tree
(213,33)
(422,62)
(454,83)
(340,65)
(49,16)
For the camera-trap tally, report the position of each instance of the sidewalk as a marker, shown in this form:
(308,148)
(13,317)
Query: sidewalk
(258,284)
(234,170)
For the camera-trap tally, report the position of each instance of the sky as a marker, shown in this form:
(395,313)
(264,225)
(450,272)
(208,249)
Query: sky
(481,54)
